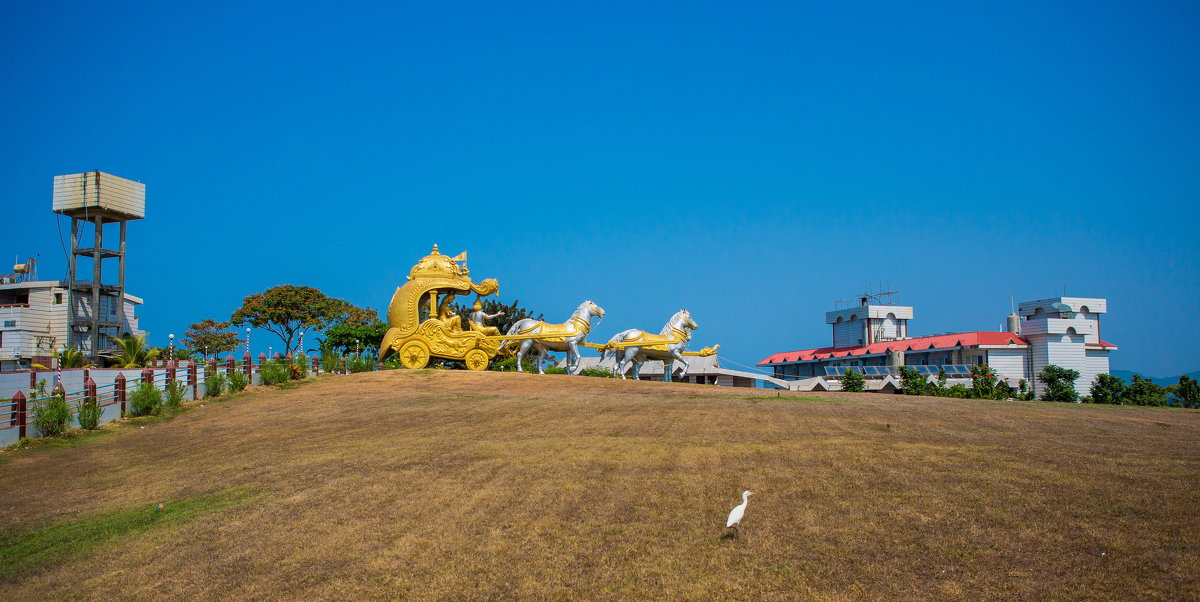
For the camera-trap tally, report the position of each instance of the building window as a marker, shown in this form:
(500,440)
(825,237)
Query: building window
(1,339)
(10,323)
(58,298)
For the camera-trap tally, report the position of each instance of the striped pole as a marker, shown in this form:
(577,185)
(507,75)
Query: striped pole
(171,347)
(301,350)
(247,340)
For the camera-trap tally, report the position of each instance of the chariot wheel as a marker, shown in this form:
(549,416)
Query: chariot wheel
(414,355)
(477,359)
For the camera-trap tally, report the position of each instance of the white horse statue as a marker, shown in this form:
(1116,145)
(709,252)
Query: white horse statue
(668,345)
(554,337)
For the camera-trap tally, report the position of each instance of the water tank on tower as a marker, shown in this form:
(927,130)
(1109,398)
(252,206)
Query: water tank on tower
(93,199)
(1013,323)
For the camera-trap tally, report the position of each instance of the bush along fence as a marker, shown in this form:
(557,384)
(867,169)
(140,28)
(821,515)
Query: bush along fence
(36,403)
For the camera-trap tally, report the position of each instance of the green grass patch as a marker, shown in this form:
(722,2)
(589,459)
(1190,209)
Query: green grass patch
(26,550)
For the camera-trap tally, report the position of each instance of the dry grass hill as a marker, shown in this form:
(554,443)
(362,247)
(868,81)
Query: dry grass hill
(436,484)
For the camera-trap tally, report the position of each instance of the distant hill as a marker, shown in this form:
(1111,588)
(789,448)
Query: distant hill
(1127,376)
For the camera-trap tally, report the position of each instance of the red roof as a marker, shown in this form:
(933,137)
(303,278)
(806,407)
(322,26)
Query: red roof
(945,341)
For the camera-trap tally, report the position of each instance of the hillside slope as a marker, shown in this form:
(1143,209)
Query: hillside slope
(435,484)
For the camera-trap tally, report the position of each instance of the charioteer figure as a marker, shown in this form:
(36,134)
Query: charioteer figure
(478,319)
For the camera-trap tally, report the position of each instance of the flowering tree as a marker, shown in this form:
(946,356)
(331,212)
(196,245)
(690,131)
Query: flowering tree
(286,310)
(983,381)
(211,336)
(348,314)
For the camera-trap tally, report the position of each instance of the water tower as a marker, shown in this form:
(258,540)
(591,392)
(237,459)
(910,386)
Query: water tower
(93,199)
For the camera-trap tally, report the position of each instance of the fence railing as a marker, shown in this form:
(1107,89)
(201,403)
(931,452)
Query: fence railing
(17,413)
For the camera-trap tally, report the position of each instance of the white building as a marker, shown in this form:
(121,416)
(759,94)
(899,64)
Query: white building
(33,321)
(1063,331)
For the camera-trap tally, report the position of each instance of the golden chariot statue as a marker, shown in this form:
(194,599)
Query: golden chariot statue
(429,293)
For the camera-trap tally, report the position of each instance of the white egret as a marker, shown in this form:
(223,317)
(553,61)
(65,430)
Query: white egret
(735,515)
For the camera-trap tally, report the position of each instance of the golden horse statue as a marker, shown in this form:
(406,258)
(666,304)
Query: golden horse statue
(541,337)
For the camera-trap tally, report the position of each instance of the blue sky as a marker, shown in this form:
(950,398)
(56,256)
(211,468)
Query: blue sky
(750,162)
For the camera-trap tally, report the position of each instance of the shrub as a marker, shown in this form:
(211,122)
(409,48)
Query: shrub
(983,381)
(597,371)
(853,381)
(88,415)
(509,364)
(556,370)
(358,363)
(331,363)
(1143,392)
(1026,393)
(215,385)
(273,373)
(174,394)
(145,400)
(238,381)
(51,412)
(1060,383)
(1004,391)
(912,383)
(1107,389)
(959,392)
(299,367)
(393,362)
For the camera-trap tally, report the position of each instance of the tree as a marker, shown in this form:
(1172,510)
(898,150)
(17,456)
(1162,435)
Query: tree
(349,314)
(1143,392)
(211,337)
(911,381)
(1060,383)
(1107,389)
(70,358)
(852,381)
(354,327)
(1188,392)
(286,310)
(133,352)
(346,337)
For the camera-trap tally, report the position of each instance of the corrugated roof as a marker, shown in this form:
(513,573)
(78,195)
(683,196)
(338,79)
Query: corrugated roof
(945,341)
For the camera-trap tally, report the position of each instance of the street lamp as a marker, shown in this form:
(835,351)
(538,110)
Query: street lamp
(301,342)
(247,339)
(171,348)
